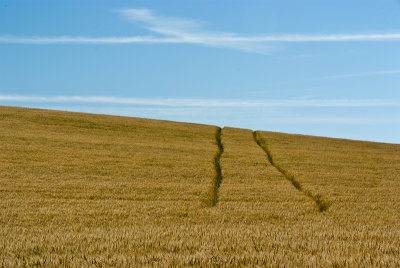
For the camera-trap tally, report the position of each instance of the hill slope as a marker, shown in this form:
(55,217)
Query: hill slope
(83,189)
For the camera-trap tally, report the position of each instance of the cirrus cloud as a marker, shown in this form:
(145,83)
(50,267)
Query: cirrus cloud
(167,30)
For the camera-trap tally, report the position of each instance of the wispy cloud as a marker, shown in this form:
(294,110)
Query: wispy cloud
(192,31)
(255,118)
(188,31)
(174,102)
(328,120)
(85,40)
(361,74)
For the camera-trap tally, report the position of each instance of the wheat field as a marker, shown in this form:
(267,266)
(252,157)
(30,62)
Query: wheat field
(86,190)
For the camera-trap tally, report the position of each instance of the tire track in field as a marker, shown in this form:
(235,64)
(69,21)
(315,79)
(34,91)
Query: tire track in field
(212,198)
(320,203)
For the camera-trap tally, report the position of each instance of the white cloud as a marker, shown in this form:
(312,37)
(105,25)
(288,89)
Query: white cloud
(174,102)
(85,40)
(362,74)
(229,116)
(351,120)
(191,31)
(187,31)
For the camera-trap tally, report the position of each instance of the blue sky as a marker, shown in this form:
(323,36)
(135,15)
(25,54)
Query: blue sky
(327,68)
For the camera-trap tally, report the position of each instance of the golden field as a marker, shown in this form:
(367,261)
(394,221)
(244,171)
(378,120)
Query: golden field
(79,190)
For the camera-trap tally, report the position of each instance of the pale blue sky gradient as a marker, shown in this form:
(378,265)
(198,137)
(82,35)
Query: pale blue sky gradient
(328,68)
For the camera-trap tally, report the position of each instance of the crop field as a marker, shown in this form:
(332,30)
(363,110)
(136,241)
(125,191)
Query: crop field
(86,190)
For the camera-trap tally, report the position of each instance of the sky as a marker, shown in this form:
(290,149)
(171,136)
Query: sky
(316,67)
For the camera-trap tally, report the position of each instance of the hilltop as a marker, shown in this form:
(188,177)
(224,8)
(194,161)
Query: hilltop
(96,190)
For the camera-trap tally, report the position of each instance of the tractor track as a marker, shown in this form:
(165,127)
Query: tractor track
(317,198)
(212,198)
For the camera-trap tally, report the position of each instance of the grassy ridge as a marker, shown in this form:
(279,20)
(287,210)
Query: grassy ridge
(94,190)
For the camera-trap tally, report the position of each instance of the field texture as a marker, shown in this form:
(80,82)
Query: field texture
(80,190)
